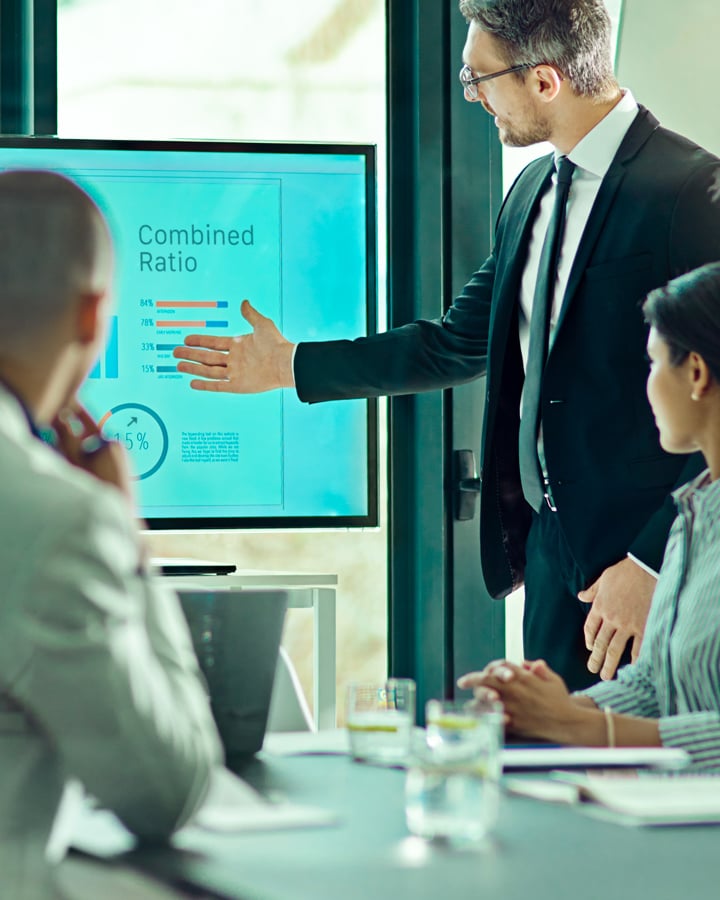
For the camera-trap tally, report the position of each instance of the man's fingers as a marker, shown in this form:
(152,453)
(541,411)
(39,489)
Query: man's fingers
(219,386)
(85,419)
(599,648)
(64,436)
(635,649)
(206,357)
(612,656)
(588,595)
(217,373)
(251,315)
(210,341)
(593,624)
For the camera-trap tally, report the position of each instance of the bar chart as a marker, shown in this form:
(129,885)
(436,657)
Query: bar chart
(108,366)
(163,320)
(176,310)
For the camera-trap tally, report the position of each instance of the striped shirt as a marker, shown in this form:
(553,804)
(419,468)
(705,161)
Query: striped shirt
(676,678)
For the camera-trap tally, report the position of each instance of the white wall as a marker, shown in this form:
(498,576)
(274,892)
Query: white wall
(669,56)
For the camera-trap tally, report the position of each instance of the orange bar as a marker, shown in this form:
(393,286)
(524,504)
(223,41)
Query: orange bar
(185,304)
(173,323)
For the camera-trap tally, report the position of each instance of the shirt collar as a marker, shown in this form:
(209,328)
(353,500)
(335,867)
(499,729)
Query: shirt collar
(701,491)
(596,151)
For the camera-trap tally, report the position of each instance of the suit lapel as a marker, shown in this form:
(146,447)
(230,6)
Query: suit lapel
(638,133)
(519,218)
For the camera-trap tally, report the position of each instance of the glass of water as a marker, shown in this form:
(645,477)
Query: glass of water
(452,786)
(380,720)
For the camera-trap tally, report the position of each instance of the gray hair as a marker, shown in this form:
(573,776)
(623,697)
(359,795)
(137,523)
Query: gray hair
(52,237)
(571,35)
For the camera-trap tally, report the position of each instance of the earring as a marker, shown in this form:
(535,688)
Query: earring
(694,397)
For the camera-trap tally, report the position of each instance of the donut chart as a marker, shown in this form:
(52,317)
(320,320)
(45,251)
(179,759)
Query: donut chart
(143,433)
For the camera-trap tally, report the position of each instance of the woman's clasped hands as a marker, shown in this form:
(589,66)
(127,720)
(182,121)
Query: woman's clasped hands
(535,699)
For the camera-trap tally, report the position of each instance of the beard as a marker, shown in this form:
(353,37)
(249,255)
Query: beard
(534,131)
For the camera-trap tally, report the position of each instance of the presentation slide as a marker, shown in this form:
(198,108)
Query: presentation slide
(196,232)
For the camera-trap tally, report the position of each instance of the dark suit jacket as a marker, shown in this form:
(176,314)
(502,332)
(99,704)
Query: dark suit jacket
(654,218)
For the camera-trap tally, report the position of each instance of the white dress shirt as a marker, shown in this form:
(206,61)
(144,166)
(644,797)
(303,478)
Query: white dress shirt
(592,156)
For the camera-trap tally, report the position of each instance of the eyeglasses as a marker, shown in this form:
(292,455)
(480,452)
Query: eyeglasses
(470,81)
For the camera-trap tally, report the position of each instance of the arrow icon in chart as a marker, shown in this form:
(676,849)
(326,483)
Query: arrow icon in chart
(132,421)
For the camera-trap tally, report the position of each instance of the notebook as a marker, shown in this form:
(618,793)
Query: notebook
(548,756)
(236,635)
(638,798)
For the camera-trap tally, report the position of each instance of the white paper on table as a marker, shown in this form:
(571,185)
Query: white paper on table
(639,798)
(231,805)
(332,741)
(547,758)
(649,799)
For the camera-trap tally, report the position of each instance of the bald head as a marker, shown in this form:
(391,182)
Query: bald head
(54,248)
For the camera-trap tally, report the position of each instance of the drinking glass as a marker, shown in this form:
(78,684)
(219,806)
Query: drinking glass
(452,784)
(380,719)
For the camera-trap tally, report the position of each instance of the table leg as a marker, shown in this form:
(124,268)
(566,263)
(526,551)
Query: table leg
(324,657)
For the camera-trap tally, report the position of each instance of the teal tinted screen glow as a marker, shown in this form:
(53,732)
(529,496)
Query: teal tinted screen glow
(197,228)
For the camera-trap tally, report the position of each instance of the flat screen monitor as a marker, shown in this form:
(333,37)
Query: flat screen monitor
(198,227)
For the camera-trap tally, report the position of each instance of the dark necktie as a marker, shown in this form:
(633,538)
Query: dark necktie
(530,474)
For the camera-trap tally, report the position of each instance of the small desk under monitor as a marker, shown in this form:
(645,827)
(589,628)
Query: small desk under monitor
(305,591)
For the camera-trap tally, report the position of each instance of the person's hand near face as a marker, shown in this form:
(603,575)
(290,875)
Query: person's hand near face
(80,441)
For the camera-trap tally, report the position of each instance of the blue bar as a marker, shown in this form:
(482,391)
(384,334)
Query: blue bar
(96,373)
(222,304)
(167,346)
(216,324)
(166,369)
(111,351)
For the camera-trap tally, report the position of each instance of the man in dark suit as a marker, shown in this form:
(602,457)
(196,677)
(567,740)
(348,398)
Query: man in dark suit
(588,515)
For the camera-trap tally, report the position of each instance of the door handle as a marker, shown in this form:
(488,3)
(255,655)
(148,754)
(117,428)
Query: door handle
(467,484)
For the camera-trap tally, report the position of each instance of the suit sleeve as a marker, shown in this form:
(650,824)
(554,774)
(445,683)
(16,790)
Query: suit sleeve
(694,239)
(110,674)
(422,356)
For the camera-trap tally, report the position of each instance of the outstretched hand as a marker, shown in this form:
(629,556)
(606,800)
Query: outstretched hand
(246,364)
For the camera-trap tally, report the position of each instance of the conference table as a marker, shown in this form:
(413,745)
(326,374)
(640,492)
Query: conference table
(539,850)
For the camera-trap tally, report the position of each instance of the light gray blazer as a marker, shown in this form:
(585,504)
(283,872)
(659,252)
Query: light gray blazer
(98,678)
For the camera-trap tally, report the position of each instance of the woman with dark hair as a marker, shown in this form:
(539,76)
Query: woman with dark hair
(671,695)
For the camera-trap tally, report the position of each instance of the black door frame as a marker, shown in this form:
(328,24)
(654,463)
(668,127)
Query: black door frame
(444,188)
(28,67)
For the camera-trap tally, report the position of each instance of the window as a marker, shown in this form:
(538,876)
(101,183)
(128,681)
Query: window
(240,70)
